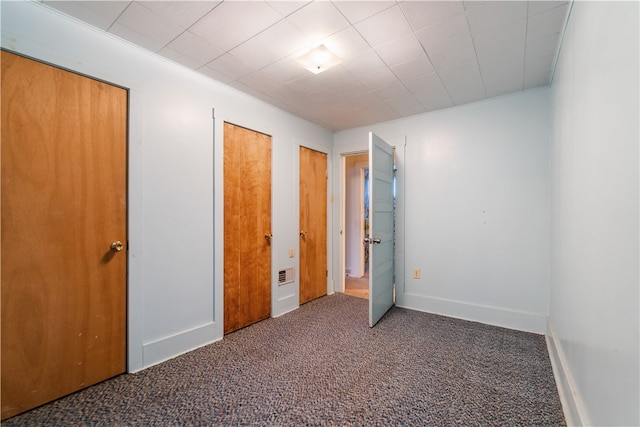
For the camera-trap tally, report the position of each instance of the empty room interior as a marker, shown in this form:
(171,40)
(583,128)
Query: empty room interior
(180,174)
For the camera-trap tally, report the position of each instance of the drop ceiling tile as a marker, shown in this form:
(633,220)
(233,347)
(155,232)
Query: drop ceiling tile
(507,85)
(396,91)
(286,8)
(356,11)
(333,77)
(536,6)
(379,79)
(305,85)
(318,20)
(507,39)
(193,47)
(230,66)
(504,74)
(406,106)
(427,87)
(413,68)
(231,23)
(487,17)
(180,58)
(284,71)
(215,75)
(101,14)
(543,47)
(138,19)
(422,14)
(437,104)
(546,23)
(283,38)
(401,50)
(182,13)
(247,89)
(284,93)
(260,82)
(136,38)
(473,4)
(386,26)
(445,34)
(364,63)
(353,88)
(254,54)
(464,84)
(346,43)
(454,57)
(362,101)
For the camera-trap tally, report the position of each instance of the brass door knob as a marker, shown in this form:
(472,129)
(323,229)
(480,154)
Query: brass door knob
(303,234)
(268,237)
(117,246)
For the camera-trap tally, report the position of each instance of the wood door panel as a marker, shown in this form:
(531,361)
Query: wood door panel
(63,203)
(247,218)
(313,222)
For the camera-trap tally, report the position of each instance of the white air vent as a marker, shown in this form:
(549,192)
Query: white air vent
(285,276)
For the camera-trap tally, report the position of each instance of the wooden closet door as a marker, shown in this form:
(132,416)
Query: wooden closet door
(63,204)
(247,227)
(313,224)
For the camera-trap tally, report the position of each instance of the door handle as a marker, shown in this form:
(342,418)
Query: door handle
(367,240)
(268,237)
(375,241)
(116,246)
(303,234)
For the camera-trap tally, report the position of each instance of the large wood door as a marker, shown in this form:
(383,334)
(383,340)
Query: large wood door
(63,204)
(313,224)
(247,227)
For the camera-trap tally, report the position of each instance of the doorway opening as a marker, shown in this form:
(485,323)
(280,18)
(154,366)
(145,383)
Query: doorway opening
(356,268)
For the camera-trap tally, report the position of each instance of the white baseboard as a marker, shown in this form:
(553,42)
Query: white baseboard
(572,407)
(511,319)
(167,348)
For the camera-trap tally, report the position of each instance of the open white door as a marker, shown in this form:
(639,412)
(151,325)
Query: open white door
(380,228)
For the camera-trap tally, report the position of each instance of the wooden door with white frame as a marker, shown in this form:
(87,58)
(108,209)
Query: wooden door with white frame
(313,224)
(247,227)
(64,236)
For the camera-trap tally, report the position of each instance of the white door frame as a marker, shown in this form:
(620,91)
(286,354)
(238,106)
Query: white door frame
(338,259)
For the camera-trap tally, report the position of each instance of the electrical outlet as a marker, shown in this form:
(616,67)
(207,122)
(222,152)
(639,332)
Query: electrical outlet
(416,273)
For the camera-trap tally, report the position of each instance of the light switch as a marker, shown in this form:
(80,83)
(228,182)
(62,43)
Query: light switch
(290,252)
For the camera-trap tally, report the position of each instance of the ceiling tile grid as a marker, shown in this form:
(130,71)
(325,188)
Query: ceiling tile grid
(398,58)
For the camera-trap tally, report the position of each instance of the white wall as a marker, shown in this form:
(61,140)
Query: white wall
(353,214)
(593,322)
(175,178)
(477,209)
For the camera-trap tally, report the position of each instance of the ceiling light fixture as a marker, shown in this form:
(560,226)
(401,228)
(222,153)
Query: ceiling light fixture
(318,59)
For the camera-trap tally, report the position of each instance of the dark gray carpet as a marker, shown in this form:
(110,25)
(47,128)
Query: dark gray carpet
(322,365)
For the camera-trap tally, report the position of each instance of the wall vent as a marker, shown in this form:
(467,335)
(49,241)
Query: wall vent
(285,276)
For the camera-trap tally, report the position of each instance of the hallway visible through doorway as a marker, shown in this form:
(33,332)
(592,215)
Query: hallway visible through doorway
(357,286)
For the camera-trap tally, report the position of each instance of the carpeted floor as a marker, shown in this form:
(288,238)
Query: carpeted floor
(322,365)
